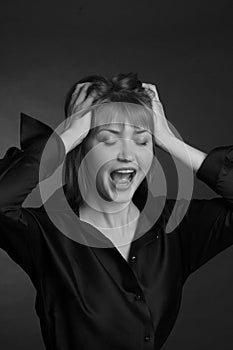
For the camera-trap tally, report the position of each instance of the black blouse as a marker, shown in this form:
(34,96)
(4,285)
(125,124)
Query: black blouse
(88,296)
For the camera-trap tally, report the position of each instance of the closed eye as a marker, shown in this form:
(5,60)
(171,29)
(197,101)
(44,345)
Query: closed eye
(111,142)
(143,143)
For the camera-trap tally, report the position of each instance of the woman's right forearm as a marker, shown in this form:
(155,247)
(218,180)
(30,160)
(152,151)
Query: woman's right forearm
(72,137)
(69,138)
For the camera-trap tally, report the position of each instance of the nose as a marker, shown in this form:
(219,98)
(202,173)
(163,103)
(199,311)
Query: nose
(126,153)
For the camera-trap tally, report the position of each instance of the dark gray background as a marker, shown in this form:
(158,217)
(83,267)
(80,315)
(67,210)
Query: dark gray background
(185,48)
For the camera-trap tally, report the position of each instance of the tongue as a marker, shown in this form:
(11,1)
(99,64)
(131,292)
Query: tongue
(120,177)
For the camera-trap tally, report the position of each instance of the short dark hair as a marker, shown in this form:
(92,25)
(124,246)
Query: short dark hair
(120,88)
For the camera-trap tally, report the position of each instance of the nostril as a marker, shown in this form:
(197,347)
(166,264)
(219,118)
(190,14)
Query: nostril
(126,156)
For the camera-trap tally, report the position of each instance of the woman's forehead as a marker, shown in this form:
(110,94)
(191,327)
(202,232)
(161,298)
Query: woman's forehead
(121,126)
(121,114)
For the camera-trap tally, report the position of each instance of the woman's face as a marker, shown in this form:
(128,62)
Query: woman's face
(119,155)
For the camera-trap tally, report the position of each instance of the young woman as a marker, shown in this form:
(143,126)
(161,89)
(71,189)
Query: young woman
(115,281)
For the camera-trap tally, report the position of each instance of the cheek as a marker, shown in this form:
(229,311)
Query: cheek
(97,159)
(146,159)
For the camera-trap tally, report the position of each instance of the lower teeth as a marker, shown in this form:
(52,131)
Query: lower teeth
(123,181)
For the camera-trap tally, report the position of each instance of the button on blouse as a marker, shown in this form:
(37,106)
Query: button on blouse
(133,258)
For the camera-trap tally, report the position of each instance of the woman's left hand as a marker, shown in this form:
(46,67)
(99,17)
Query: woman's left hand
(161,128)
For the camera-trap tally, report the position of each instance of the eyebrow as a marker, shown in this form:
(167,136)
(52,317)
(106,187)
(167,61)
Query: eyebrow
(118,132)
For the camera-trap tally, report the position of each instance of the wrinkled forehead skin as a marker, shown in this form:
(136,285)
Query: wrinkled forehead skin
(121,114)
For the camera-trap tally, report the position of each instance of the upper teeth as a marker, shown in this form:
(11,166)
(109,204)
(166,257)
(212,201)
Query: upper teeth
(125,171)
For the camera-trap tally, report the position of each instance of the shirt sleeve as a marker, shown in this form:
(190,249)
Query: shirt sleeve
(207,227)
(19,175)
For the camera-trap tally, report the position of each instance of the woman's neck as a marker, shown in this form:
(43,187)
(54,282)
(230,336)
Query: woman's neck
(109,220)
(119,227)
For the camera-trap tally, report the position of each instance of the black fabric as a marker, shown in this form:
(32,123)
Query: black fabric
(89,296)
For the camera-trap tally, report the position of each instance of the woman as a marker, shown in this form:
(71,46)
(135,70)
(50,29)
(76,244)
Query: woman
(117,284)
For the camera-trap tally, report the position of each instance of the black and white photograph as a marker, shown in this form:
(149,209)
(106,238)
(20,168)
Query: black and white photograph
(116,175)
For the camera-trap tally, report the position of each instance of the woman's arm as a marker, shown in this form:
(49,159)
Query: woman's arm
(205,225)
(41,152)
(166,139)
(189,155)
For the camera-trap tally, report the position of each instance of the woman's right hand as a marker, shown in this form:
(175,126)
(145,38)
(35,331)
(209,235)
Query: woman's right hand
(77,125)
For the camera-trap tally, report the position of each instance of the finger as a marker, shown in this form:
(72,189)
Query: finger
(82,107)
(88,102)
(85,87)
(77,90)
(82,93)
(145,85)
(80,86)
(75,95)
(153,88)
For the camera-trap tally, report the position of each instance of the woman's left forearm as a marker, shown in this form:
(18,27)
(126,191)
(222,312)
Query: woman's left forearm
(166,139)
(189,155)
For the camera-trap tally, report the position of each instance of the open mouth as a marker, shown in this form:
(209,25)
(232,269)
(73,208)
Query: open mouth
(122,177)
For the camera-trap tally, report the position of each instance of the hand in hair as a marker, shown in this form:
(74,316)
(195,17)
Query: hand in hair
(161,128)
(77,125)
